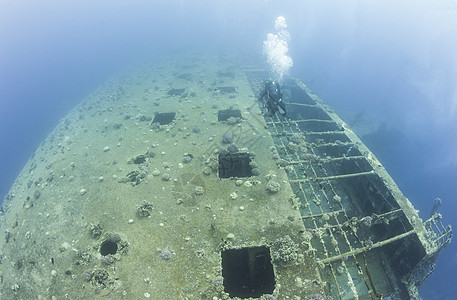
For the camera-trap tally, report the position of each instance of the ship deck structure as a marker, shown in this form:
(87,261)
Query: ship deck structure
(171,182)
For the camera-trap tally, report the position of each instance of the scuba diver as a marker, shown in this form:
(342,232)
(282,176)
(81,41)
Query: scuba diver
(271,97)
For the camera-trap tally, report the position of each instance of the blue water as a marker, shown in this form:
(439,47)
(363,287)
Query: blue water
(393,59)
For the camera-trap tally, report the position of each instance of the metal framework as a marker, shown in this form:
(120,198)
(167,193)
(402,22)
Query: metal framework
(366,237)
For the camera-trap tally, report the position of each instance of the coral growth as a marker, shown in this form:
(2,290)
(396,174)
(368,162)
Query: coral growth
(227,139)
(143,210)
(273,186)
(286,250)
(165,254)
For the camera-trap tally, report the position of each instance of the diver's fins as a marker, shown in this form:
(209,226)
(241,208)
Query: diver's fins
(282,109)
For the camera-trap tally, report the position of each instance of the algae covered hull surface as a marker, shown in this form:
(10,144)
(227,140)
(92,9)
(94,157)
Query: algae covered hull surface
(170,182)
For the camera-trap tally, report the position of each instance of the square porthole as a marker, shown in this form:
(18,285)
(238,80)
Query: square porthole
(248,272)
(164,118)
(234,165)
(224,115)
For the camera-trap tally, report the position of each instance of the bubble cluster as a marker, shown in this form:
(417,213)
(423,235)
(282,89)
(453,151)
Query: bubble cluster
(276,47)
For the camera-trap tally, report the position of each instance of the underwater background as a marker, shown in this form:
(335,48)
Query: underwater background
(388,68)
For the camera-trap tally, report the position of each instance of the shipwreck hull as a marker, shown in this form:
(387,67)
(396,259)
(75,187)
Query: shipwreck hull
(171,183)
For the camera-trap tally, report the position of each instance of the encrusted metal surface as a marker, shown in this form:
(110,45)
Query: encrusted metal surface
(367,237)
(127,198)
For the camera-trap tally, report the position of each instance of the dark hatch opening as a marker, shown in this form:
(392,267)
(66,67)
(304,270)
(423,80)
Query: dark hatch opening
(224,115)
(108,247)
(248,272)
(234,165)
(164,118)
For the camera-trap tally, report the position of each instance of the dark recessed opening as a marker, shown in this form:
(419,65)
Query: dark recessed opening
(234,165)
(248,272)
(223,115)
(164,118)
(108,247)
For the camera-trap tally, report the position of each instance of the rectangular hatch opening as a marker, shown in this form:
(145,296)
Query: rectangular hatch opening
(164,118)
(248,272)
(234,165)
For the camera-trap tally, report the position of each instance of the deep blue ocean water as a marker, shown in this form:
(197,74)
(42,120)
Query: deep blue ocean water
(395,61)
